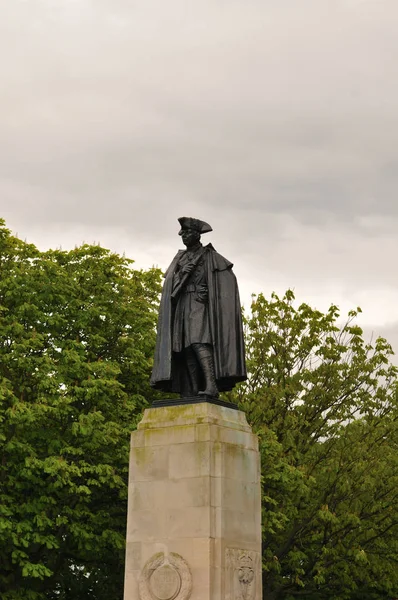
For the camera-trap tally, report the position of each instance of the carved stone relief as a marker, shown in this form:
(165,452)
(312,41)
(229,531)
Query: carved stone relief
(242,573)
(165,577)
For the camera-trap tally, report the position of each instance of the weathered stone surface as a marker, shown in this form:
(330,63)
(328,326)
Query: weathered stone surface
(194,515)
(165,582)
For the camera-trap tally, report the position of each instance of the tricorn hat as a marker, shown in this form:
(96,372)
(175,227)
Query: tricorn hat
(196,224)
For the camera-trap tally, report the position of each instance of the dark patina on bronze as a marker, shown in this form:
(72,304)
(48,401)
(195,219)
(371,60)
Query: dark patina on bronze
(200,347)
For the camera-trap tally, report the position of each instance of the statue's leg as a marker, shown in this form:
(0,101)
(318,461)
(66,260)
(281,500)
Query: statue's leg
(204,353)
(193,370)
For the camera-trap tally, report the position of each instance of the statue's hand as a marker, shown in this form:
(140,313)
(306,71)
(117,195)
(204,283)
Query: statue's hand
(202,294)
(188,268)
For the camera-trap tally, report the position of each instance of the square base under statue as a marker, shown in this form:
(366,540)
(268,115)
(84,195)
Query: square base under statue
(184,400)
(194,507)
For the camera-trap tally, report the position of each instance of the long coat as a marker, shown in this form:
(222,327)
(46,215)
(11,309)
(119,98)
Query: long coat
(225,327)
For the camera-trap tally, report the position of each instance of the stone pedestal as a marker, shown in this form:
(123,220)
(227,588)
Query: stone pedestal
(194,507)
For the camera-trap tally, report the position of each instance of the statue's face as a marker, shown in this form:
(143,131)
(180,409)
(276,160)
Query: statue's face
(190,237)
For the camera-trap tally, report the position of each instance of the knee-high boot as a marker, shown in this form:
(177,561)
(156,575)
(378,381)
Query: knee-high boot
(193,371)
(204,353)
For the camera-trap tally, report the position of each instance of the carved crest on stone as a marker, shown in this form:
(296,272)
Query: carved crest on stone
(242,574)
(165,577)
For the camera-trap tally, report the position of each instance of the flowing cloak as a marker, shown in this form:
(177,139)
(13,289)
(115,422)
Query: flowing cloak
(225,327)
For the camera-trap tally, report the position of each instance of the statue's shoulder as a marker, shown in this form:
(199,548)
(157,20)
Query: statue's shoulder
(173,263)
(219,263)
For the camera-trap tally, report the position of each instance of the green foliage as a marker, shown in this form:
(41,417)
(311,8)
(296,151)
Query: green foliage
(76,346)
(324,404)
(77,333)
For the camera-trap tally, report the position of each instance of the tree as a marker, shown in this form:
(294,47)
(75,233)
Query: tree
(77,336)
(324,403)
(76,344)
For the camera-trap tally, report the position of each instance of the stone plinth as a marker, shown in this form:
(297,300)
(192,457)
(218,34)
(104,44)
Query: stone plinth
(194,508)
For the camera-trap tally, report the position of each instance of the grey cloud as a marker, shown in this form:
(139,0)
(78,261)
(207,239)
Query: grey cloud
(276,121)
(389,333)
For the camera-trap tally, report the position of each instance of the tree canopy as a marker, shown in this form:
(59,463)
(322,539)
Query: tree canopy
(77,333)
(76,344)
(324,403)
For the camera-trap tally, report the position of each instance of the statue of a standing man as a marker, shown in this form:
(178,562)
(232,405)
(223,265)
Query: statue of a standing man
(200,347)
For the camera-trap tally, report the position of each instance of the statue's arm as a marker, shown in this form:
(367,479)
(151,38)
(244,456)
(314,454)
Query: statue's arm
(176,278)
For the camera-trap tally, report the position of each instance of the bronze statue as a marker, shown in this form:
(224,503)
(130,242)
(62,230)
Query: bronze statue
(199,347)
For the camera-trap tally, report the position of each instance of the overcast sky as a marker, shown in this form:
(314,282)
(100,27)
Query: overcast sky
(274,120)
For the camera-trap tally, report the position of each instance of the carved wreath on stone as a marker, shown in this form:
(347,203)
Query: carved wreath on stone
(165,577)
